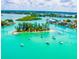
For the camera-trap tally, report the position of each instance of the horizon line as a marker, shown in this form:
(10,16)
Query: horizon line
(39,10)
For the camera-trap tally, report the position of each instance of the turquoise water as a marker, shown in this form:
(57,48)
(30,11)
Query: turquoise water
(12,16)
(36,47)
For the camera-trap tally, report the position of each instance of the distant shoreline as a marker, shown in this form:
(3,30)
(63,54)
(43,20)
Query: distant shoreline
(24,11)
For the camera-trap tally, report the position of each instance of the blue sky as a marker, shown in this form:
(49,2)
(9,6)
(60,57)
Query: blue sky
(41,5)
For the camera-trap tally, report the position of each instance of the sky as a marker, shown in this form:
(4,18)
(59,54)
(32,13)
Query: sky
(40,5)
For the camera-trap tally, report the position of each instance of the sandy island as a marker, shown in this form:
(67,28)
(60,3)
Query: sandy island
(15,32)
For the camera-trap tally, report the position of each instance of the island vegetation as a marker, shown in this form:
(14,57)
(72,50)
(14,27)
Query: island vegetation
(29,27)
(7,22)
(29,18)
(37,16)
(67,23)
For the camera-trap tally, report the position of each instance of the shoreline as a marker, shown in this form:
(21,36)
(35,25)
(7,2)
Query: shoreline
(15,32)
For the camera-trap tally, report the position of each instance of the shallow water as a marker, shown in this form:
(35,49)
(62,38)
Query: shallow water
(35,46)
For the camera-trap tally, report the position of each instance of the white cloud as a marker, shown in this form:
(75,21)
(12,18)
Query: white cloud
(53,5)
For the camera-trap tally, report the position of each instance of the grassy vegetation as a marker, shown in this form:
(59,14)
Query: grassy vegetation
(29,18)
